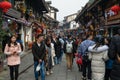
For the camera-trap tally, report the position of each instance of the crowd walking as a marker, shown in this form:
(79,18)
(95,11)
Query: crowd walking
(30,32)
(97,56)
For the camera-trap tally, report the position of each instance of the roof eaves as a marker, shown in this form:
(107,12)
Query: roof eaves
(93,4)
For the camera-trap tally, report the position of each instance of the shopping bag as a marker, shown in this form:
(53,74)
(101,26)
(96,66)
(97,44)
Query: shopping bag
(38,67)
(79,60)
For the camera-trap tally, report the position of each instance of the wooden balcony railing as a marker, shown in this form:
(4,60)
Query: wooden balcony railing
(115,17)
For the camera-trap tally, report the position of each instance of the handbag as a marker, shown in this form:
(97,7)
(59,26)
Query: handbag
(79,59)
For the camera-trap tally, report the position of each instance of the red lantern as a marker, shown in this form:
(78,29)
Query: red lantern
(39,31)
(5,5)
(115,8)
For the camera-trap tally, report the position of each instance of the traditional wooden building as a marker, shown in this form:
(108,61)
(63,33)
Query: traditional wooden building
(97,17)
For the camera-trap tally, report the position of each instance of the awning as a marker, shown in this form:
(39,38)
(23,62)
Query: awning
(18,20)
(13,13)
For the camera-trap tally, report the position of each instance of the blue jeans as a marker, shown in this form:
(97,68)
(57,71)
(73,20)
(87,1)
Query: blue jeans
(60,59)
(55,60)
(42,70)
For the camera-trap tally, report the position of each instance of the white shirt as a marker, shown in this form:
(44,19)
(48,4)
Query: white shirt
(38,44)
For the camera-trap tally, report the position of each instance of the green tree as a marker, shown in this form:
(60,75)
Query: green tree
(2,32)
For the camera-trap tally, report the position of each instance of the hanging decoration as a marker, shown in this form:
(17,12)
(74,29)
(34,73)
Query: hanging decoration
(31,13)
(5,6)
(22,7)
(115,8)
(39,31)
(91,27)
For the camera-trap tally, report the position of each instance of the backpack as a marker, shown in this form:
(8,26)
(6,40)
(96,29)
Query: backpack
(69,47)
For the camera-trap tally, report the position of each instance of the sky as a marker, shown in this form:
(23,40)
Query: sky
(67,7)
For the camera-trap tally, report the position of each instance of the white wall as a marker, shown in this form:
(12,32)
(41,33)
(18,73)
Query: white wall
(73,25)
(51,14)
(71,17)
(22,35)
(29,34)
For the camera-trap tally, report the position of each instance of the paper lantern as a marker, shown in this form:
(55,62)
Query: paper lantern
(5,5)
(115,8)
(39,31)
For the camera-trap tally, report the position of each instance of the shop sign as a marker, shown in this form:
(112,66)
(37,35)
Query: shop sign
(14,13)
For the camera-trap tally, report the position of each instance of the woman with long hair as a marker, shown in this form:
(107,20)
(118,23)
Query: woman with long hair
(98,56)
(12,50)
(49,61)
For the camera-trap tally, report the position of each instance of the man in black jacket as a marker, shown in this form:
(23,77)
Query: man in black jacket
(114,53)
(38,50)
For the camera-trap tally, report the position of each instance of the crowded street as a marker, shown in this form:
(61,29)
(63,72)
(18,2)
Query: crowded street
(59,39)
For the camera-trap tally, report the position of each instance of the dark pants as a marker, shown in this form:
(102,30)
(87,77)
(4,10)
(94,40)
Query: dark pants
(107,74)
(49,66)
(86,66)
(80,67)
(14,69)
(61,55)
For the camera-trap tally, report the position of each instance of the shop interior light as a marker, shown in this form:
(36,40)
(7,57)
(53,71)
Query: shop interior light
(9,20)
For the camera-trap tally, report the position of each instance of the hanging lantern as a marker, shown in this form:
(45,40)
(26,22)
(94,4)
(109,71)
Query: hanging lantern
(115,8)
(39,31)
(5,5)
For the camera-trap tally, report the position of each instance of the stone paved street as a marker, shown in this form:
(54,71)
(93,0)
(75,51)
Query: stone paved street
(60,71)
